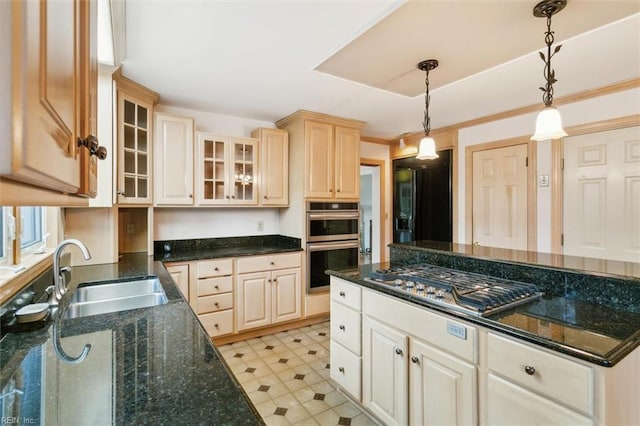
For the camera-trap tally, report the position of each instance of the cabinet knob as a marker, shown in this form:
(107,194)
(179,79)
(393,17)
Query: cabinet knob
(275,280)
(341,327)
(233,196)
(530,370)
(269,280)
(272,263)
(216,325)
(415,360)
(216,287)
(121,193)
(342,294)
(265,197)
(399,351)
(341,369)
(217,304)
(338,190)
(190,195)
(330,190)
(226,196)
(92,144)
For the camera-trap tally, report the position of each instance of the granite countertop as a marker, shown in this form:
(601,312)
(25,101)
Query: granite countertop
(598,334)
(213,248)
(145,366)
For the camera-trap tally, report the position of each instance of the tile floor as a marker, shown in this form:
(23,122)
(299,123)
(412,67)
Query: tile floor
(286,375)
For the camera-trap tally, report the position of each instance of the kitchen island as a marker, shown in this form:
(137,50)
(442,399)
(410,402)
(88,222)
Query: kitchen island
(145,366)
(567,357)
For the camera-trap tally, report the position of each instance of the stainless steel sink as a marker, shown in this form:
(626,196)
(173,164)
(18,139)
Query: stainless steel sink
(115,297)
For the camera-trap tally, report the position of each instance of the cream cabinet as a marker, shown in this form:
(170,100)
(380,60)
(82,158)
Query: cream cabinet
(211,295)
(134,122)
(274,166)
(226,170)
(180,274)
(326,151)
(49,100)
(173,160)
(332,161)
(346,338)
(268,290)
(419,367)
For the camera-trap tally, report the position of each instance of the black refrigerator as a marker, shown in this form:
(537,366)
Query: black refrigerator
(422,199)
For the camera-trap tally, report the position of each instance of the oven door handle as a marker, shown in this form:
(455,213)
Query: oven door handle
(333,216)
(333,245)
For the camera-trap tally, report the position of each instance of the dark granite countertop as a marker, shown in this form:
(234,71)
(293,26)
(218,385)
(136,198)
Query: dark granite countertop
(598,334)
(145,366)
(212,248)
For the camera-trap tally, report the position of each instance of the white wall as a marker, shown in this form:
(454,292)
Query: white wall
(189,223)
(591,110)
(212,222)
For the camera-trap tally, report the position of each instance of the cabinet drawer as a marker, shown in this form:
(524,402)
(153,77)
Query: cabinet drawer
(209,286)
(556,377)
(268,262)
(346,327)
(218,302)
(346,369)
(217,323)
(214,268)
(346,293)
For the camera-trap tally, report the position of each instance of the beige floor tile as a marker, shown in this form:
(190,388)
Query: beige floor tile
(335,398)
(327,418)
(297,414)
(312,378)
(294,385)
(348,409)
(323,387)
(363,420)
(304,394)
(278,367)
(315,406)
(266,408)
(309,421)
(276,421)
(287,400)
(259,397)
(278,390)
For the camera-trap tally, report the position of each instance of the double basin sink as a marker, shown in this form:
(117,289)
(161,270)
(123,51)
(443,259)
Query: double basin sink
(94,299)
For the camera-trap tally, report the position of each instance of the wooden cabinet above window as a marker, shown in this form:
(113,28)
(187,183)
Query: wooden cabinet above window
(49,101)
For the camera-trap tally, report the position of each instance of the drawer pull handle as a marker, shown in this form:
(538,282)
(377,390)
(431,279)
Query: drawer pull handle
(530,370)
(415,360)
(341,369)
(216,325)
(273,263)
(342,294)
(341,327)
(217,287)
(217,304)
(398,351)
(216,269)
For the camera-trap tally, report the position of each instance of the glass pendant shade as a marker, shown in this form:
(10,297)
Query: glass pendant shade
(427,149)
(548,125)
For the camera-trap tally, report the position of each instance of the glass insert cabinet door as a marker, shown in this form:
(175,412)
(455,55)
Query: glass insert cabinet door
(226,170)
(134,161)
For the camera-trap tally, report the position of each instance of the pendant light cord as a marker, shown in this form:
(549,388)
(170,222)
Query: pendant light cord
(427,120)
(549,74)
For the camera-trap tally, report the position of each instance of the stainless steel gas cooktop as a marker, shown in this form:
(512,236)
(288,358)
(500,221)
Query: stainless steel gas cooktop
(475,294)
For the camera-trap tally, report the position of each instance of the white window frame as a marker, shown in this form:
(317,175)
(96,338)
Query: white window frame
(8,222)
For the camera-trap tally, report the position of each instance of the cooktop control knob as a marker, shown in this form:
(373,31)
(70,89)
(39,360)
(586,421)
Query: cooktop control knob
(397,282)
(419,286)
(409,284)
(431,289)
(439,294)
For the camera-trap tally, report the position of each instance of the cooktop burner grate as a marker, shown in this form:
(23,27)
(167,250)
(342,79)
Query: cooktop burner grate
(469,292)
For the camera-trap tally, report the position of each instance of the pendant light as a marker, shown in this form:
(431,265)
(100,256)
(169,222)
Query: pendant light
(427,147)
(549,122)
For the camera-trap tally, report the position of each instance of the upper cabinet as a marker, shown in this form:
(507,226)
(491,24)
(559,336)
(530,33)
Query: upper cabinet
(226,170)
(134,124)
(49,109)
(274,166)
(173,165)
(329,149)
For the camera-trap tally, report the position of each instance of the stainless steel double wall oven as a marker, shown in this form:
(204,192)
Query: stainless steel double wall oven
(332,240)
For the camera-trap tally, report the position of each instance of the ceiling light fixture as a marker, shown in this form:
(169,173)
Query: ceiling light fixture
(549,122)
(427,147)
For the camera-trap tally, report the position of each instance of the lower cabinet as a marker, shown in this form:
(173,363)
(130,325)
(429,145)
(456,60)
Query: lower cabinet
(419,367)
(270,295)
(211,295)
(180,274)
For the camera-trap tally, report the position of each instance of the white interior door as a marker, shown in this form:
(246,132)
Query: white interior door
(602,195)
(500,197)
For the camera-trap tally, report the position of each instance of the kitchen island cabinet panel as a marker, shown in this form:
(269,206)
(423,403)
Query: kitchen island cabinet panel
(346,369)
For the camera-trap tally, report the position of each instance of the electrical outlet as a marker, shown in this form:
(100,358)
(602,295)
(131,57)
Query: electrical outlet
(543,180)
(130,228)
(260,226)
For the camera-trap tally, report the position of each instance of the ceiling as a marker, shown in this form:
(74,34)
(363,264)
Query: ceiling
(264,59)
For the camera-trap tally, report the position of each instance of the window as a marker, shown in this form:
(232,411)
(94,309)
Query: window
(32,237)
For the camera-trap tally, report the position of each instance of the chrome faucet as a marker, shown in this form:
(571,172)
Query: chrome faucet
(59,279)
